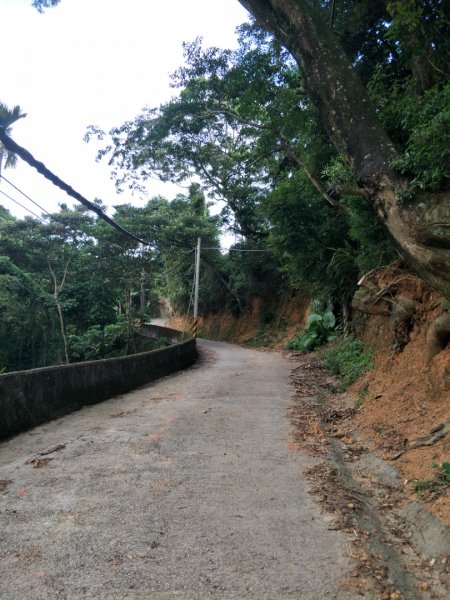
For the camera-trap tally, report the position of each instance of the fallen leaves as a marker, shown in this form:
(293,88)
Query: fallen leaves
(332,494)
(38,463)
(4,484)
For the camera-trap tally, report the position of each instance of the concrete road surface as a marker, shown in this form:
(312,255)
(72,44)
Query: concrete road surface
(187,488)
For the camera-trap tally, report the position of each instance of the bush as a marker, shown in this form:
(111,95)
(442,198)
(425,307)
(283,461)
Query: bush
(318,331)
(99,342)
(348,360)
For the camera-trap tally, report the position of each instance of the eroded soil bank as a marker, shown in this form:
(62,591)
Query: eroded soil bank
(402,549)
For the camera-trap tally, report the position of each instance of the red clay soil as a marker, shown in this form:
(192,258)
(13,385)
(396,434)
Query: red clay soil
(402,398)
(289,315)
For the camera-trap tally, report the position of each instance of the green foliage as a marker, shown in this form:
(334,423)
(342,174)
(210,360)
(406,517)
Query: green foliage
(347,359)
(427,150)
(318,331)
(115,339)
(41,5)
(305,234)
(5,215)
(338,172)
(436,486)
(370,243)
(77,274)
(8,116)
(235,113)
(420,28)
(100,342)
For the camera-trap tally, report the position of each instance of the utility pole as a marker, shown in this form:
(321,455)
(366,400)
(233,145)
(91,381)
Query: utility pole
(142,294)
(194,328)
(197,276)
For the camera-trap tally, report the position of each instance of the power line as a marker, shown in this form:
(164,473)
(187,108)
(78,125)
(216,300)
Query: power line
(12,146)
(21,205)
(53,217)
(26,196)
(179,263)
(235,250)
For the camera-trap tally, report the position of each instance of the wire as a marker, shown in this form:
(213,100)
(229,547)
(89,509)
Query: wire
(12,146)
(189,305)
(180,263)
(22,206)
(26,196)
(235,250)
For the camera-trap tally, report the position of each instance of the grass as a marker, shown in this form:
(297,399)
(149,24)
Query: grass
(268,335)
(436,486)
(347,360)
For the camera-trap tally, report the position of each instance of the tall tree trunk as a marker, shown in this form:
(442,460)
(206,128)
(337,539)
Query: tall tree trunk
(419,226)
(56,294)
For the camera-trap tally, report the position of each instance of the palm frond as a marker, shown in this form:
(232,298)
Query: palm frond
(9,116)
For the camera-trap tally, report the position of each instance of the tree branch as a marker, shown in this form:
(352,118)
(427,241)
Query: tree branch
(286,147)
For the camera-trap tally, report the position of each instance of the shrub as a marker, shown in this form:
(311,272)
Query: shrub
(348,360)
(318,331)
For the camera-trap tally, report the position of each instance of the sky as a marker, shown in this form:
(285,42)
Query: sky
(93,62)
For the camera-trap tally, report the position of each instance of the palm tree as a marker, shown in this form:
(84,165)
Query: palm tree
(7,118)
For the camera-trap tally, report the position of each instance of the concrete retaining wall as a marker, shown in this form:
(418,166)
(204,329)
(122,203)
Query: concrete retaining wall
(28,398)
(155,331)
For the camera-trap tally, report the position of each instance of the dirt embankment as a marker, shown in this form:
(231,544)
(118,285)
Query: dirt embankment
(268,322)
(405,397)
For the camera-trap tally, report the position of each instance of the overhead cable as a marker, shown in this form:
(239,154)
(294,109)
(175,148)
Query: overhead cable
(179,263)
(26,196)
(21,205)
(235,250)
(12,146)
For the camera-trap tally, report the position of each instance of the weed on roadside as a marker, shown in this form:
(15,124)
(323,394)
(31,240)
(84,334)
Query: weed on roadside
(438,485)
(362,395)
(319,329)
(347,360)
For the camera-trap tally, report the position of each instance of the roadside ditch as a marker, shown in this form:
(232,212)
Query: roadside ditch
(401,549)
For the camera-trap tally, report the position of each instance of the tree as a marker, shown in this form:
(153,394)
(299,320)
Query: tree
(41,5)
(5,215)
(7,118)
(239,119)
(51,288)
(243,125)
(418,222)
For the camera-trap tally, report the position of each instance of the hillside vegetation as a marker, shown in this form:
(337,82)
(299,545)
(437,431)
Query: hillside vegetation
(309,218)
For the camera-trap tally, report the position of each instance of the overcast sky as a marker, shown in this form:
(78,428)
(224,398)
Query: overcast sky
(93,62)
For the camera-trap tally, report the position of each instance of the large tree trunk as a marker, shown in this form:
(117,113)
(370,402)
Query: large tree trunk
(421,226)
(57,295)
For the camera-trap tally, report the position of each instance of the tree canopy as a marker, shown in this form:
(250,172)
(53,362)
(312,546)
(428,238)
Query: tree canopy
(406,46)
(323,138)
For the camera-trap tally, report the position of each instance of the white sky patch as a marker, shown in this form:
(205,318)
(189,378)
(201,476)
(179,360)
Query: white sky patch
(94,62)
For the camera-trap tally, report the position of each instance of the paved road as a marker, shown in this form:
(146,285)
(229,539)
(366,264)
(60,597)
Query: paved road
(187,488)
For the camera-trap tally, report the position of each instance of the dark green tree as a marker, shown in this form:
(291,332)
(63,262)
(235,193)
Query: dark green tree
(418,223)
(8,117)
